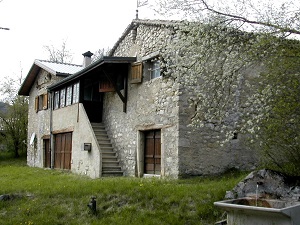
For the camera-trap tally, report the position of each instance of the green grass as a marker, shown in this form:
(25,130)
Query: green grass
(43,196)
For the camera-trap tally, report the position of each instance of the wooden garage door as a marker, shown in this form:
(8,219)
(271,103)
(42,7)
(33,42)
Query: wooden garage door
(152,152)
(63,151)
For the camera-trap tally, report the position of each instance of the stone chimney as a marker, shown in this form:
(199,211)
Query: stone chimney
(87,58)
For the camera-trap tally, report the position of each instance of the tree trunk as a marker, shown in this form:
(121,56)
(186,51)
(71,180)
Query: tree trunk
(16,148)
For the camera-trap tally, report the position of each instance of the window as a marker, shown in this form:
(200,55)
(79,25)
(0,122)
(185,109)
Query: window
(36,104)
(62,98)
(41,102)
(154,68)
(69,96)
(75,93)
(56,100)
(45,101)
(66,96)
(151,64)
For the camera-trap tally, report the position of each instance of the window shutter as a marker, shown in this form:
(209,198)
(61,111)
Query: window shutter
(36,104)
(45,101)
(106,86)
(136,73)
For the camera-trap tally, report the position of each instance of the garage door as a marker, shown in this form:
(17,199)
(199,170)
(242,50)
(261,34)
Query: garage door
(63,151)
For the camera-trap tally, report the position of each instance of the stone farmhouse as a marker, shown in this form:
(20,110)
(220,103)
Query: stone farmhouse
(120,116)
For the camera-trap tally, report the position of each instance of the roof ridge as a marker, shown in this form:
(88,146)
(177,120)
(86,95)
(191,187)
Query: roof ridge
(157,22)
(134,23)
(49,61)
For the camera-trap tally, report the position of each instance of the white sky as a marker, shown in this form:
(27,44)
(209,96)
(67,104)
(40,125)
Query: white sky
(86,25)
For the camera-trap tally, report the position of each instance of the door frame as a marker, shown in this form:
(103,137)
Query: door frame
(47,155)
(152,152)
(140,162)
(63,158)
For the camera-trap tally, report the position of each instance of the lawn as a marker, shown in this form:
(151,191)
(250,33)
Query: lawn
(43,196)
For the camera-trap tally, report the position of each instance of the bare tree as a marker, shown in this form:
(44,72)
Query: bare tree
(99,54)
(60,55)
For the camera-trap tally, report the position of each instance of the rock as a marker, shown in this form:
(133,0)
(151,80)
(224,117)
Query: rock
(266,184)
(229,195)
(4,197)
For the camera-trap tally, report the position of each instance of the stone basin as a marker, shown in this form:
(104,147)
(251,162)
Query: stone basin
(249,211)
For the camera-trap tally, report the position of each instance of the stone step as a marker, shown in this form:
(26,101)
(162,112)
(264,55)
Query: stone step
(101,135)
(110,163)
(109,155)
(112,174)
(97,124)
(107,149)
(111,168)
(105,146)
(100,132)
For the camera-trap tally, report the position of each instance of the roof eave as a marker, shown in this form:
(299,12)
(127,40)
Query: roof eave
(41,65)
(29,80)
(103,60)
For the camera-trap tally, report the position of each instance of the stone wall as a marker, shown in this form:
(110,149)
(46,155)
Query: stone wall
(73,119)
(160,103)
(150,106)
(153,104)
(200,151)
(67,119)
(38,122)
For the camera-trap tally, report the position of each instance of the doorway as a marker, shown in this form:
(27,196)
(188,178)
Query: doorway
(47,153)
(152,152)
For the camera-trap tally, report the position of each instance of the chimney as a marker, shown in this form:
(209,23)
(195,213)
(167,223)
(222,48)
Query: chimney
(87,58)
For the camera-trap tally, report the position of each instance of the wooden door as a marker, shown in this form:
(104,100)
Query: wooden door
(63,151)
(152,163)
(47,153)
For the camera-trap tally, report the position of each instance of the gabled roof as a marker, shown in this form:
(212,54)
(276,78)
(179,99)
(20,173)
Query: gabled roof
(54,68)
(59,69)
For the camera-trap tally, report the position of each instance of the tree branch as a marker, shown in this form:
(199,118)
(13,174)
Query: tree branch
(244,19)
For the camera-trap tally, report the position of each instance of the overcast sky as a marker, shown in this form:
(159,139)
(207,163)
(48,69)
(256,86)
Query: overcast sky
(85,25)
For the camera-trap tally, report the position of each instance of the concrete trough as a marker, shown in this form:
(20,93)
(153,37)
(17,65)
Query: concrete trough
(249,211)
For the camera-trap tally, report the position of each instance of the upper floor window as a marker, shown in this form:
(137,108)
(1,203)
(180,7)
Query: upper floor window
(154,69)
(149,68)
(75,93)
(66,96)
(62,98)
(69,95)
(41,102)
(56,100)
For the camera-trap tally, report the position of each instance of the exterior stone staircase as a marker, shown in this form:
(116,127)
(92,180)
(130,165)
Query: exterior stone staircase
(110,163)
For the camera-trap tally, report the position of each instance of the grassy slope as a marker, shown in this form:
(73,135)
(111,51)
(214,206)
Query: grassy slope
(56,197)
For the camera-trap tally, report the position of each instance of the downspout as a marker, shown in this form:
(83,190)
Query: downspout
(51,131)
